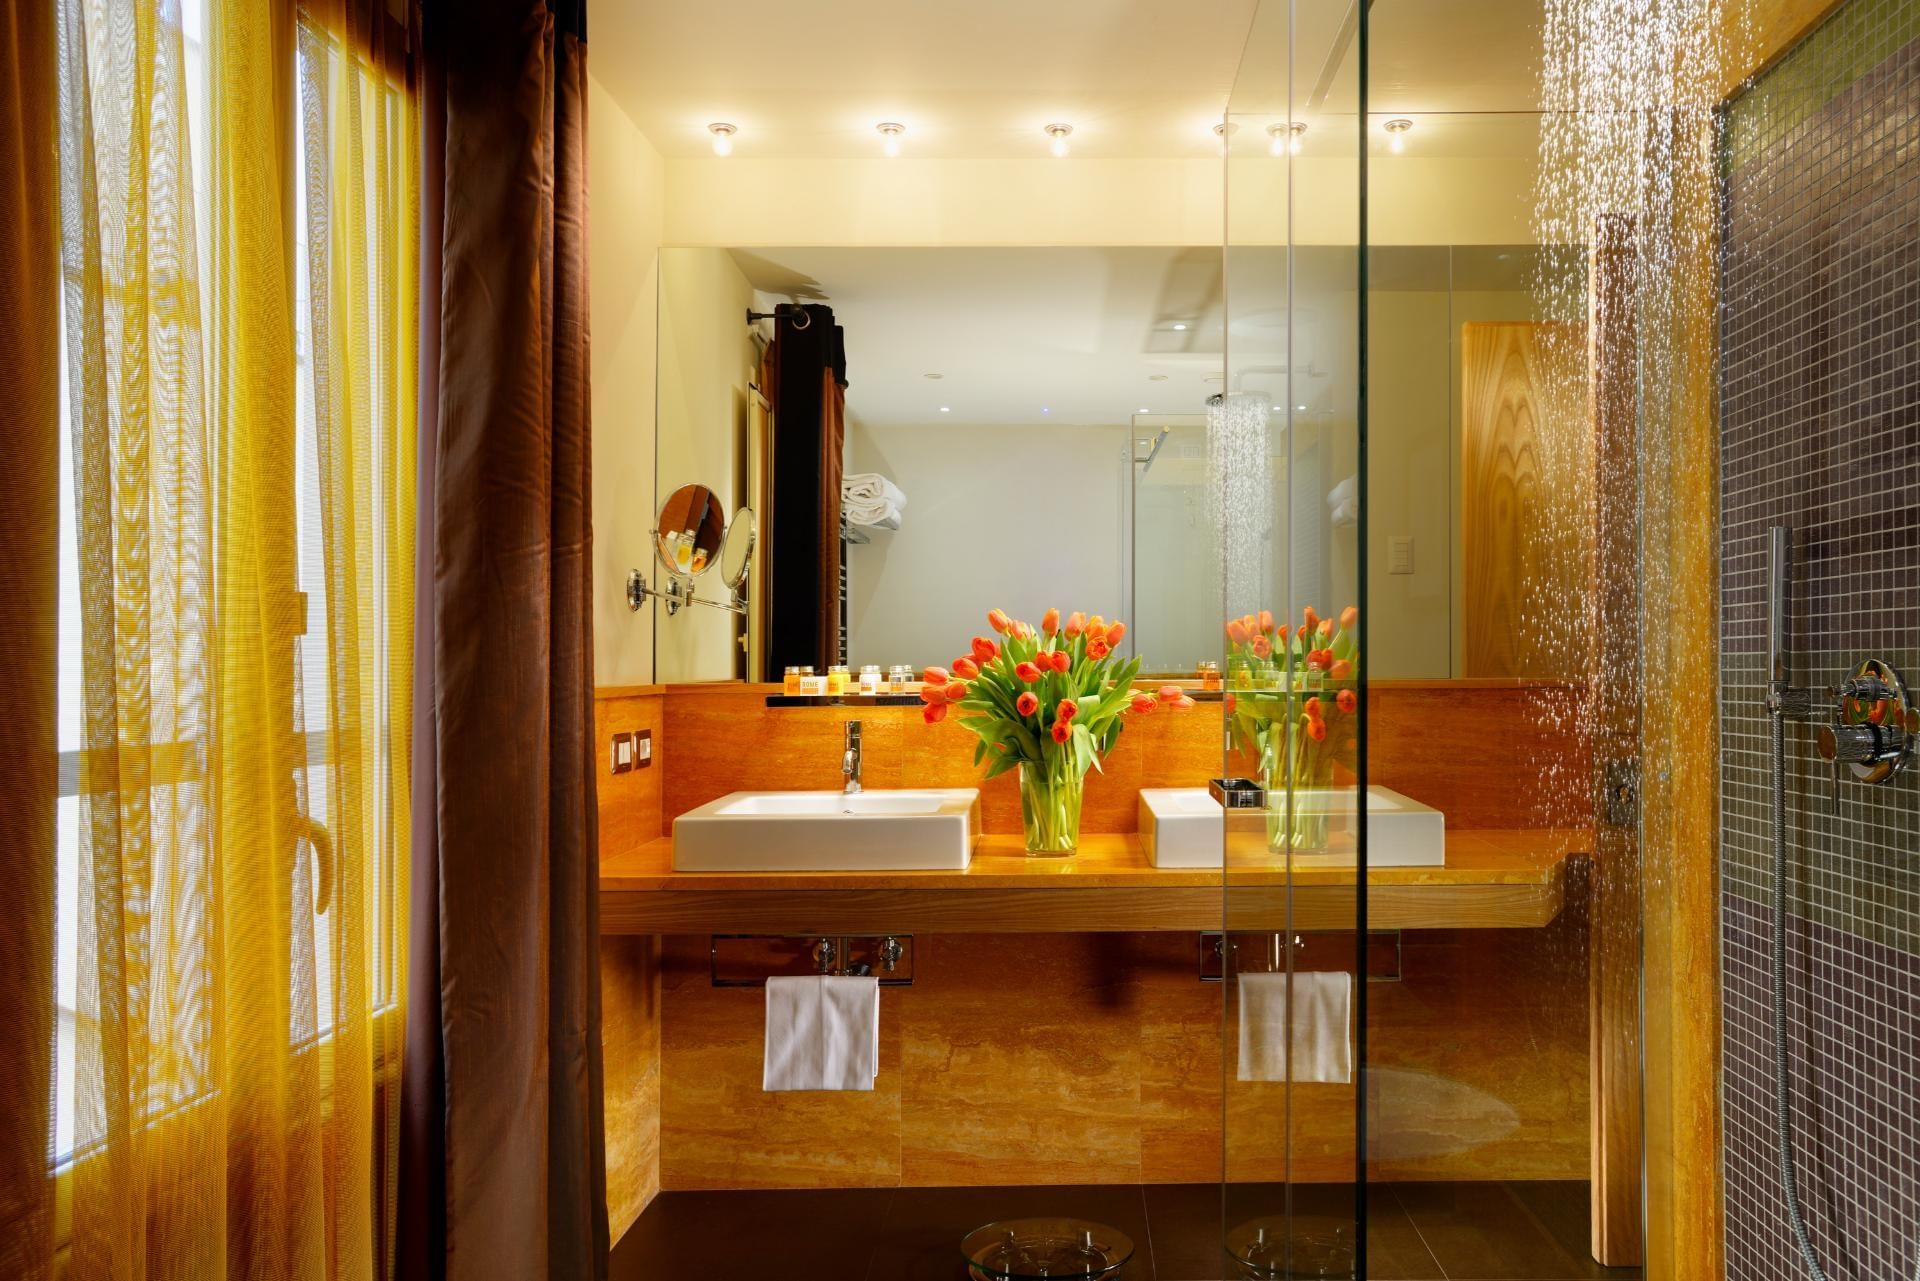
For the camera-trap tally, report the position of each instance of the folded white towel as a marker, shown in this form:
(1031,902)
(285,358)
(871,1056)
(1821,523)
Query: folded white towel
(870,499)
(1322,1014)
(823,1033)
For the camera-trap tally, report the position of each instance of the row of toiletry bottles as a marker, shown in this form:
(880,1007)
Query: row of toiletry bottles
(839,680)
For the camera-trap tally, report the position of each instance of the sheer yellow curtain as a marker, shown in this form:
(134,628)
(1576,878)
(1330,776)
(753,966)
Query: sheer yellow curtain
(241,460)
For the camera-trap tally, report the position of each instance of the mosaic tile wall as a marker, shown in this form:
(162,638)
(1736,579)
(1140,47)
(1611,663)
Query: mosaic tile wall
(1821,431)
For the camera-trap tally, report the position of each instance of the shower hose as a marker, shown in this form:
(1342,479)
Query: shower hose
(1783,1129)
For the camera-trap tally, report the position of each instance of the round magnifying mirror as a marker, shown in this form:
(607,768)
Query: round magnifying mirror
(736,553)
(691,527)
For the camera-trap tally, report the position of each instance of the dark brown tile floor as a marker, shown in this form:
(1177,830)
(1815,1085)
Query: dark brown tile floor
(1416,1231)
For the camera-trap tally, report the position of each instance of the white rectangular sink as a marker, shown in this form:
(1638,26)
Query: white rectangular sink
(1182,827)
(927,829)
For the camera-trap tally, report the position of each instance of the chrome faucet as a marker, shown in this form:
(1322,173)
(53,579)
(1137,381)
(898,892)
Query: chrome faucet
(850,763)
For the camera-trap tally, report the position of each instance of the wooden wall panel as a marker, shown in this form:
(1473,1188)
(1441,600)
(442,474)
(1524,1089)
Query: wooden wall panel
(728,739)
(1490,754)
(1098,1059)
(1525,464)
(630,815)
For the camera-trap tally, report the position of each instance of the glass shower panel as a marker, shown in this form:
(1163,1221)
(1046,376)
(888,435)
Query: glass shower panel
(1284,460)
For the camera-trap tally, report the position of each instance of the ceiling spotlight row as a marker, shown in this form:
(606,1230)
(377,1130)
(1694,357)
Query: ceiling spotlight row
(890,131)
(1286,138)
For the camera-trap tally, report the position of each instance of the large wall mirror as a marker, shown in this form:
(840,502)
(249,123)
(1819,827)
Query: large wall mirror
(1025,427)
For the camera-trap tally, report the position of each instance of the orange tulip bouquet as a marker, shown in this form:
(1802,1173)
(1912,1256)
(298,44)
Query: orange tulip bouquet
(1294,703)
(1050,701)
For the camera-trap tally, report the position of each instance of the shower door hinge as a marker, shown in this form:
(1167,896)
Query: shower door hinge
(1620,793)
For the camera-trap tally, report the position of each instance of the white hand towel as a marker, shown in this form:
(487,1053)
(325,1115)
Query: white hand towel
(1322,1013)
(823,1033)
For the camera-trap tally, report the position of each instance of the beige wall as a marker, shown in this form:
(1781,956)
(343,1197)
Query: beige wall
(626,181)
(1015,518)
(707,360)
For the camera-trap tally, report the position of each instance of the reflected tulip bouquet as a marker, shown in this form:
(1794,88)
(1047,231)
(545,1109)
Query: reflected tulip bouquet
(1049,700)
(1293,705)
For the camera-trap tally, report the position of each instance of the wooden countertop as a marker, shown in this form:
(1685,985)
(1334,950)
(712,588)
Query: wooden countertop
(1491,880)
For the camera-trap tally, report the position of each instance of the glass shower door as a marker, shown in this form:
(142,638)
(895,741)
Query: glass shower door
(1285,458)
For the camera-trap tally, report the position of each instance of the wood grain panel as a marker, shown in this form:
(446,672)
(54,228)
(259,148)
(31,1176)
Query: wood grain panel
(1099,1059)
(1509,755)
(630,1052)
(718,1129)
(1679,829)
(1614,1005)
(730,740)
(1525,469)
(631,803)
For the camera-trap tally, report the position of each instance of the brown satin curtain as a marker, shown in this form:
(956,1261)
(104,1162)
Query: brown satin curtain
(511,1113)
(29,577)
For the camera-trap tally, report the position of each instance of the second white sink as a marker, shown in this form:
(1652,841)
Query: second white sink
(923,829)
(1182,827)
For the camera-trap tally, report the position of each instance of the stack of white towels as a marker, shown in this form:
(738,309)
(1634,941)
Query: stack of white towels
(869,500)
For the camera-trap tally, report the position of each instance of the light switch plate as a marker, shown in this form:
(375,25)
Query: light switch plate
(1400,554)
(621,758)
(642,748)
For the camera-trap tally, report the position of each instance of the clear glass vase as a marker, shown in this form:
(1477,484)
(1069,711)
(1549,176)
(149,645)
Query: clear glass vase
(1296,821)
(1050,807)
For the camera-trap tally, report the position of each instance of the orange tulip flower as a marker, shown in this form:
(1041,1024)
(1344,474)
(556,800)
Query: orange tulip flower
(1076,623)
(1096,625)
(954,691)
(1062,731)
(1236,631)
(985,649)
(1098,648)
(934,713)
(1311,616)
(932,694)
(1326,629)
(1313,709)
(1341,669)
(935,675)
(1066,711)
(965,668)
(1171,692)
(1317,660)
(1026,704)
(1143,703)
(998,620)
(1262,647)
(1347,700)
(1316,729)
(1349,616)
(1062,660)
(1266,620)
(1027,672)
(1183,703)
(1114,632)
(1050,621)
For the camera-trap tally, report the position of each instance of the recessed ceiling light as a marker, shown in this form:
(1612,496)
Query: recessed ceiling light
(1396,129)
(1045,409)
(1224,128)
(1286,138)
(1179,324)
(933,375)
(945,409)
(1301,408)
(890,131)
(722,137)
(1059,133)
(1145,410)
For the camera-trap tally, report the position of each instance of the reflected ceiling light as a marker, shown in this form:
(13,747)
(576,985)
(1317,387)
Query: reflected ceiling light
(1145,410)
(1225,128)
(890,130)
(722,137)
(1179,324)
(1286,138)
(1396,131)
(946,409)
(1059,134)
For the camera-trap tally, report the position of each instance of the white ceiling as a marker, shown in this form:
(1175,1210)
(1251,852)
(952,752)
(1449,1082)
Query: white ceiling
(1019,336)
(1136,78)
